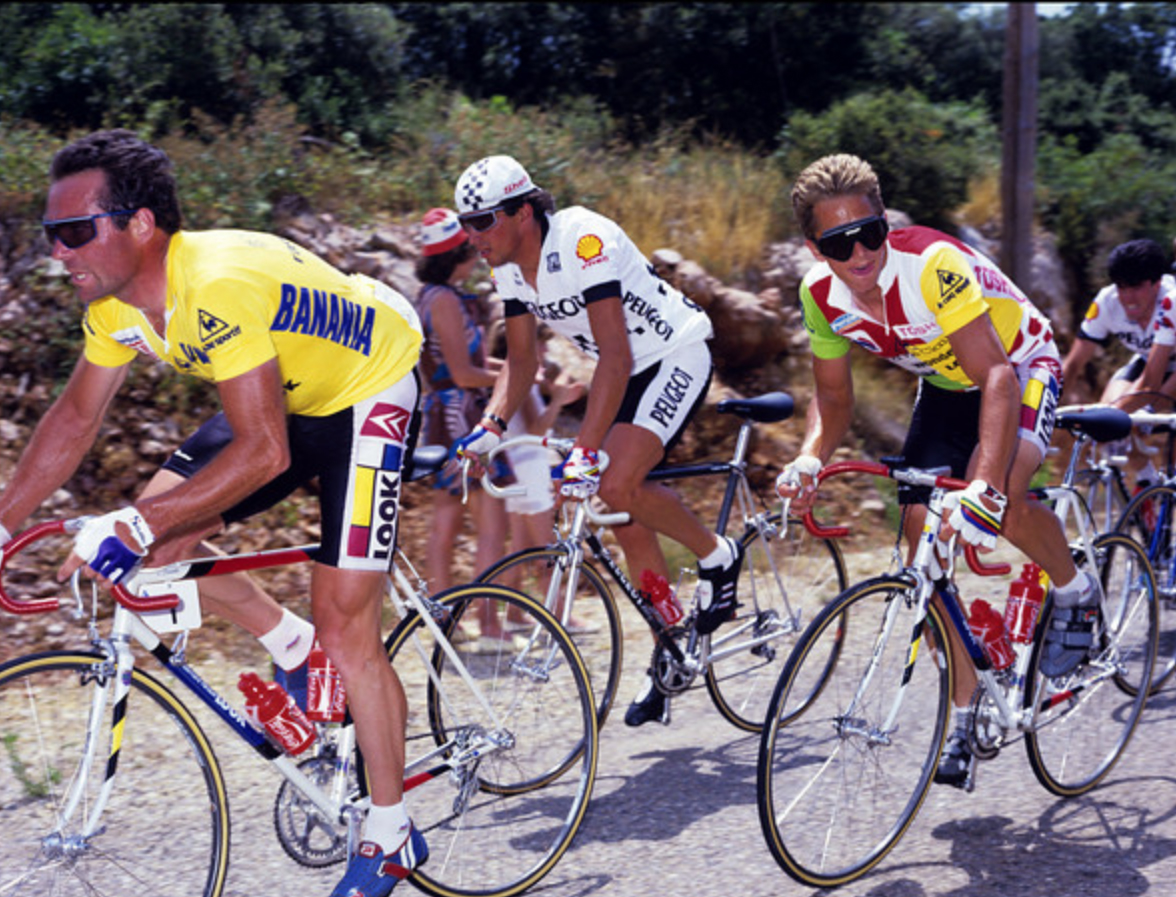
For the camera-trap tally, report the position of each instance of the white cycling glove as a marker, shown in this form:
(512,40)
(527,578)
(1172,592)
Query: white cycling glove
(479,442)
(102,548)
(805,465)
(581,474)
(977,513)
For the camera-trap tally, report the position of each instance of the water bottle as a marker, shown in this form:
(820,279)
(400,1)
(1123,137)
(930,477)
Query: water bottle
(658,590)
(326,699)
(988,627)
(268,705)
(1026,594)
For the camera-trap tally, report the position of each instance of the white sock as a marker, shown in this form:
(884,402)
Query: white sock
(387,826)
(1072,593)
(289,642)
(722,556)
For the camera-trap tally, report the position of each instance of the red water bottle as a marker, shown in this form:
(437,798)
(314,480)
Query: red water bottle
(1026,595)
(268,705)
(657,587)
(988,627)
(326,700)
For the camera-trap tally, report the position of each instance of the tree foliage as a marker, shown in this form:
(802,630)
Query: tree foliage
(916,87)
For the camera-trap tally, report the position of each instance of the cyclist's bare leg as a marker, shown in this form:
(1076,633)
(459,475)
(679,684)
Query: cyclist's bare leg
(633,452)
(448,513)
(1031,527)
(346,606)
(236,597)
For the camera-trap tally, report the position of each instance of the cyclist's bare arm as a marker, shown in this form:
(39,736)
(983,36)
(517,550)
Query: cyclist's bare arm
(829,415)
(522,364)
(255,405)
(60,441)
(983,358)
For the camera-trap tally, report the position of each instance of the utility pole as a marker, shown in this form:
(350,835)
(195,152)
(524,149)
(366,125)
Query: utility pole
(1019,143)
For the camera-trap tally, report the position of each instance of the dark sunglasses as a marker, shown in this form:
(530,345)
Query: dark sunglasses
(76,232)
(837,243)
(480,222)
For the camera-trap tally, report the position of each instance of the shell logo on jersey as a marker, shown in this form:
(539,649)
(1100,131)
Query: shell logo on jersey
(387,422)
(589,248)
(1092,312)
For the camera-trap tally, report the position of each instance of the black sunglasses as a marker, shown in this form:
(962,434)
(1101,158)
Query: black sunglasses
(837,243)
(76,232)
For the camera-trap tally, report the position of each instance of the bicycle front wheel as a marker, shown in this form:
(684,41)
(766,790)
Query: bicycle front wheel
(510,735)
(788,576)
(592,618)
(1149,520)
(839,785)
(165,827)
(1083,721)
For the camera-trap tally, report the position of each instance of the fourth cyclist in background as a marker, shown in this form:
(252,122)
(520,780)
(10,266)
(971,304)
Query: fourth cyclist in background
(580,274)
(1137,308)
(989,374)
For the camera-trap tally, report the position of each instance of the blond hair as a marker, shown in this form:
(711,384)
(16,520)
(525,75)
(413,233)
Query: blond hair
(830,177)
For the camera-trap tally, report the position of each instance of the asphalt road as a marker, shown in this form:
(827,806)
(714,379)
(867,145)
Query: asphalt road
(674,813)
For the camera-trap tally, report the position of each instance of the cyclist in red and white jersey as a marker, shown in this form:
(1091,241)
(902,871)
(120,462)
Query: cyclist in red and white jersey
(989,383)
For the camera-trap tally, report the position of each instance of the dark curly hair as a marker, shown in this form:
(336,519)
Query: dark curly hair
(439,268)
(138,175)
(1136,262)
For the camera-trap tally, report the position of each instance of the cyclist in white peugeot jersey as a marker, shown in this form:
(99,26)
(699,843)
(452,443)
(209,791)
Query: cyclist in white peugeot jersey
(1138,310)
(579,273)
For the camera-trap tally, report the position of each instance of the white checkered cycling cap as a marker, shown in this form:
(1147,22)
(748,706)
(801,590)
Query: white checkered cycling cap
(490,182)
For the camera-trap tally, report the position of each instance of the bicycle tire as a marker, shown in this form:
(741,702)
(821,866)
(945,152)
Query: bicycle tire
(1082,722)
(542,573)
(794,571)
(497,826)
(165,827)
(836,790)
(1149,519)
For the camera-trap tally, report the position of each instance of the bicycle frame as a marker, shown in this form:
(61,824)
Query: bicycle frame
(335,802)
(701,650)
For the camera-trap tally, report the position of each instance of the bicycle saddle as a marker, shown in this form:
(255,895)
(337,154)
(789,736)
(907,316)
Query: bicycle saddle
(425,460)
(766,409)
(1102,423)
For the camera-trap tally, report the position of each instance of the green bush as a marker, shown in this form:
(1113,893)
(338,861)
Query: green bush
(925,153)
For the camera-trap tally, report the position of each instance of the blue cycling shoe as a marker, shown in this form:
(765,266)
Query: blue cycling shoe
(372,873)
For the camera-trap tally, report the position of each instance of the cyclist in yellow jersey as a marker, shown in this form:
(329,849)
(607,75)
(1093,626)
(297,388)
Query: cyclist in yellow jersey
(989,380)
(315,371)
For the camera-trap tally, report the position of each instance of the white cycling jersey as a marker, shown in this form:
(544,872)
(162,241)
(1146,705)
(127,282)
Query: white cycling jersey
(1106,320)
(586,257)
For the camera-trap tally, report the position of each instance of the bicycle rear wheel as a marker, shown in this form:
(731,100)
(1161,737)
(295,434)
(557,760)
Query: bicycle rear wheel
(1083,721)
(839,785)
(786,579)
(1149,520)
(165,828)
(509,789)
(545,574)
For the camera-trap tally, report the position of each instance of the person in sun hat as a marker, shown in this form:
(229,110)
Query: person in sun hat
(458,374)
(579,273)
(315,370)
(989,380)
